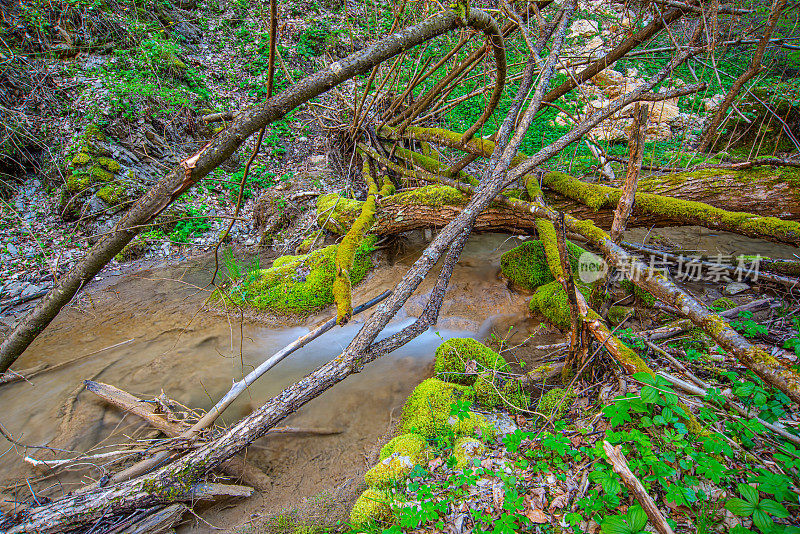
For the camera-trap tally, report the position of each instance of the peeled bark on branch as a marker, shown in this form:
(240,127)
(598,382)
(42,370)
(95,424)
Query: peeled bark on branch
(216,151)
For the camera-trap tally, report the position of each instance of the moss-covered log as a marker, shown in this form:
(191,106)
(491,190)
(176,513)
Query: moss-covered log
(346,251)
(709,197)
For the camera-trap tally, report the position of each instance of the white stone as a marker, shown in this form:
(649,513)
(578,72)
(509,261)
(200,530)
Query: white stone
(734,288)
(583,28)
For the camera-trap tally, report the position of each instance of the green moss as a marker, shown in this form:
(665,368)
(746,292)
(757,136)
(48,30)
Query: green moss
(643,295)
(77,182)
(299,284)
(82,158)
(371,507)
(336,213)
(593,196)
(507,394)
(527,267)
(555,403)
(427,411)
(724,303)
(473,424)
(466,450)
(453,355)
(617,314)
(551,301)
(112,194)
(435,196)
(389,471)
(109,164)
(98,174)
(408,444)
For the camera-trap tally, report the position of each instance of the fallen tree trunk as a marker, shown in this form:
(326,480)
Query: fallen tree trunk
(767,367)
(435,207)
(707,197)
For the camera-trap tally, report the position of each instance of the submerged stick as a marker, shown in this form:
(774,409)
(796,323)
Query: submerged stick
(238,387)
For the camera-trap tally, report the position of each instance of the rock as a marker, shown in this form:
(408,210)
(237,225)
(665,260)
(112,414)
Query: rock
(608,77)
(14,289)
(32,289)
(95,206)
(583,28)
(12,249)
(664,111)
(734,288)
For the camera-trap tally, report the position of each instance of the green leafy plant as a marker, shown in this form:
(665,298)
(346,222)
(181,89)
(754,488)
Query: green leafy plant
(631,523)
(763,511)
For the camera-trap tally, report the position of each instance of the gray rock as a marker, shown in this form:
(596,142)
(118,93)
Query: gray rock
(14,289)
(734,288)
(30,290)
(12,249)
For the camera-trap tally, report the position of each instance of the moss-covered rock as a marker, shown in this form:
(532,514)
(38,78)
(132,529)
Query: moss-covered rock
(427,410)
(299,284)
(408,444)
(492,391)
(474,424)
(551,301)
(526,265)
(555,403)
(466,450)
(389,471)
(373,506)
(456,354)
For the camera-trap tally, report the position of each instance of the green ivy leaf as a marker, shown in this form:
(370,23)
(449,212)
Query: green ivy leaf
(649,394)
(762,520)
(740,507)
(637,519)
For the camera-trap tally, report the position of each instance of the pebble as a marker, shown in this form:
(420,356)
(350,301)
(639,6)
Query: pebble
(734,288)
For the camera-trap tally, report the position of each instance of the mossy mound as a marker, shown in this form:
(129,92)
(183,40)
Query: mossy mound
(552,405)
(466,450)
(456,354)
(493,393)
(371,507)
(299,284)
(551,301)
(724,303)
(526,265)
(474,424)
(427,410)
(389,471)
(409,444)
(617,314)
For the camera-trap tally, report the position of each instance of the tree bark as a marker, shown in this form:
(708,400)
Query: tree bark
(635,155)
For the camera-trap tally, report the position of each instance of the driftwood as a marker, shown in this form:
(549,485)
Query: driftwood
(237,468)
(158,522)
(620,466)
(636,152)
